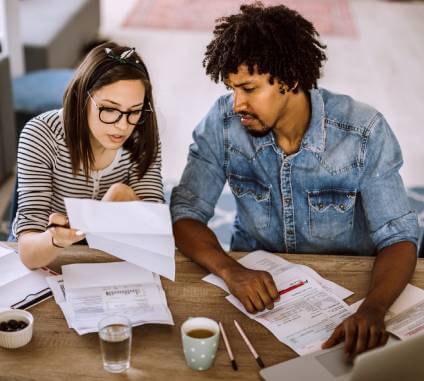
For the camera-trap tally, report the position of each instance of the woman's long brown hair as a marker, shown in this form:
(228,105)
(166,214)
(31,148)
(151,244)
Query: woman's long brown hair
(97,70)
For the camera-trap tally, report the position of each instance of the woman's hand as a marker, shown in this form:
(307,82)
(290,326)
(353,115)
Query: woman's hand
(120,192)
(63,235)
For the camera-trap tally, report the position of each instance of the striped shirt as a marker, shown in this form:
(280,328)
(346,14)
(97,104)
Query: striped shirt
(45,174)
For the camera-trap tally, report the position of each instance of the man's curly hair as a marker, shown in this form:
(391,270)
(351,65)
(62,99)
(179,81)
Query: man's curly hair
(275,40)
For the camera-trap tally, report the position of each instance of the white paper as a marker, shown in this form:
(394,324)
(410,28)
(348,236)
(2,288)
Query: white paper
(86,275)
(304,317)
(408,323)
(88,292)
(137,231)
(405,317)
(11,268)
(151,261)
(17,282)
(275,265)
(125,217)
(5,250)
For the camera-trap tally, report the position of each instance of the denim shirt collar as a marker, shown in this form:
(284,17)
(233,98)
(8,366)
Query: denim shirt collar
(314,138)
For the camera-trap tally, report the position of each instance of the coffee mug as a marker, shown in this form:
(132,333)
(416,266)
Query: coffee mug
(200,338)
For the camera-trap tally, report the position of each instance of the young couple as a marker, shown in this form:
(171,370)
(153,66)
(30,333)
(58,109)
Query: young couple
(310,170)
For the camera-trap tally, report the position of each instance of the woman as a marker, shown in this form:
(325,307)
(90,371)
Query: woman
(103,145)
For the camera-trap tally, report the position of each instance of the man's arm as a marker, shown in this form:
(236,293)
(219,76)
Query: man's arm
(393,268)
(256,290)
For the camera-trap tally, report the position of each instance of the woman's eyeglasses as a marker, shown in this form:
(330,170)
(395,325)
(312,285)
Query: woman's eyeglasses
(110,115)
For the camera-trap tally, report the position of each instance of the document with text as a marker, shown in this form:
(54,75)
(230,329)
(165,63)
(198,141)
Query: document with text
(310,306)
(118,288)
(306,314)
(275,265)
(405,317)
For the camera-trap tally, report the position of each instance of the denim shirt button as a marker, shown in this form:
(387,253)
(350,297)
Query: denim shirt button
(320,205)
(342,207)
(287,201)
(290,232)
(286,165)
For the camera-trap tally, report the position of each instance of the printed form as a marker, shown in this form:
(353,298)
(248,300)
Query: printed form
(118,288)
(405,317)
(310,306)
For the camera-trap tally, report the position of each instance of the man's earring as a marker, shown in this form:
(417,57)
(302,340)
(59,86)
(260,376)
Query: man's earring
(282,89)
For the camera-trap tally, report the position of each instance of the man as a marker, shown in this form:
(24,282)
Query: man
(311,171)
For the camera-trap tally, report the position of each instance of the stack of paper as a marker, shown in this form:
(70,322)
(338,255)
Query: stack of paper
(310,306)
(19,286)
(136,231)
(88,292)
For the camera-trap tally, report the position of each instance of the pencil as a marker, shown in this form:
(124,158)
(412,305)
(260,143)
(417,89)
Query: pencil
(249,345)
(288,289)
(228,347)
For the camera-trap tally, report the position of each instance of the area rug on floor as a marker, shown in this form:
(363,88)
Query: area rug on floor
(330,17)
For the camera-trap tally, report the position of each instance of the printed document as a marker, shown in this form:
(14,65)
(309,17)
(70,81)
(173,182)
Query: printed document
(275,265)
(405,317)
(310,306)
(305,316)
(118,288)
(138,232)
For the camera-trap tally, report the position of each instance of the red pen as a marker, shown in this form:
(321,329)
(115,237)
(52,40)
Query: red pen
(49,270)
(288,289)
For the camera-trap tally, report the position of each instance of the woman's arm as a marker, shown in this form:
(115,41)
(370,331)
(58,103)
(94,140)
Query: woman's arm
(38,249)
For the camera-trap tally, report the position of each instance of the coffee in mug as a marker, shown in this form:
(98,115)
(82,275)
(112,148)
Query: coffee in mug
(200,339)
(200,333)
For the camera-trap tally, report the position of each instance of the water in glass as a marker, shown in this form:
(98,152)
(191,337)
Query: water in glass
(115,343)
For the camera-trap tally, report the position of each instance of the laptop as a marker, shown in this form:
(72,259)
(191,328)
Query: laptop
(398,360)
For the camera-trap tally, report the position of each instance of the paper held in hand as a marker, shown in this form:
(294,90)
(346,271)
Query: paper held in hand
(136,231)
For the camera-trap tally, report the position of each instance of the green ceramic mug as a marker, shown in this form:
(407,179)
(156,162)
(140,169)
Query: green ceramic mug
(200,338)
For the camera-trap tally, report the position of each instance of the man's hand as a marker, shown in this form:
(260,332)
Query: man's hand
(255,289)
(362,331)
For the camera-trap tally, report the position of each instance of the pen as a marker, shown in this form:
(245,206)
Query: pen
(50,271)
(53,225)
(228,347)
(297,285)
(249,345)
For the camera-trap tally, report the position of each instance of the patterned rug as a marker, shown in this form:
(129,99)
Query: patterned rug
(330,17)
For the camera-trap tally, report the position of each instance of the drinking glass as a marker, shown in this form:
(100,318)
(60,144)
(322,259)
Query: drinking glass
(115,343)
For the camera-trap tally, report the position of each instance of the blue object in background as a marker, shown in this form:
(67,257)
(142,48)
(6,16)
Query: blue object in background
(40,91)
(37,92)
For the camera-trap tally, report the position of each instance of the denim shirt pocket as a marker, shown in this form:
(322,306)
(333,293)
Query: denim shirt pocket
(331,212)
(253,199)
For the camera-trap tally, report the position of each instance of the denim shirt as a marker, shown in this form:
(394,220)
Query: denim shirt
(340,193)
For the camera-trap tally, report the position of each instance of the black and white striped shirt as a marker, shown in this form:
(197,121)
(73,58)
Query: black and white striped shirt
(45,174)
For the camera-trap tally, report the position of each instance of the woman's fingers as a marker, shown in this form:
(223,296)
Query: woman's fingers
(58,219)
(62,235)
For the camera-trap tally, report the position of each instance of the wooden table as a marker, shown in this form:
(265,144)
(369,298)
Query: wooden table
(58,353)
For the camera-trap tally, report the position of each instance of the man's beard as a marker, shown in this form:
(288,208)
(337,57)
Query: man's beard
(264,130)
